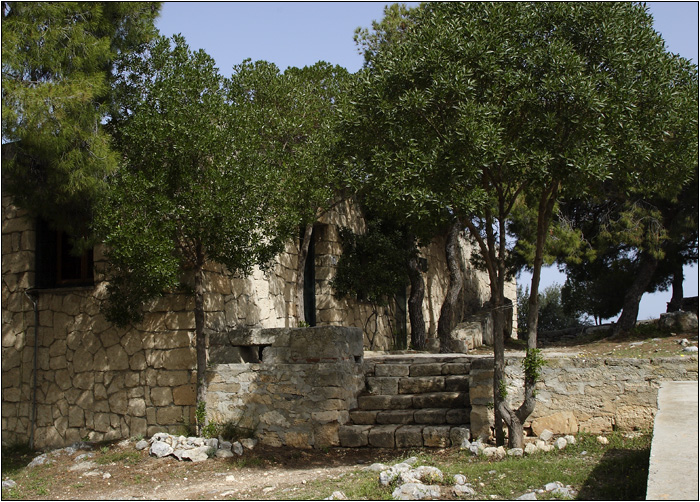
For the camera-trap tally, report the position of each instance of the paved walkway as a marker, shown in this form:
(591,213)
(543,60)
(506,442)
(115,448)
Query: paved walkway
(673,463)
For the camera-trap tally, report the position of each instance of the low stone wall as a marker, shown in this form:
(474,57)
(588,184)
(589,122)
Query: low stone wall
(576,394)
(289,386)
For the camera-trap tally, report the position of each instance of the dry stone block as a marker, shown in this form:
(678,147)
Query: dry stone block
(436,436)
(184,395)
(421,384)
(169,415)
(354,436)
(409,436)
(179,359)
(382,436)
(564,422)
(391,370)
(161,396)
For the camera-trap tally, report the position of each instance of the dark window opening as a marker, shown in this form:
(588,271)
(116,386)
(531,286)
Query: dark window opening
(56,265)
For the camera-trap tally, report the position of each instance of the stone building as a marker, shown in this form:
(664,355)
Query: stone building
(95,380)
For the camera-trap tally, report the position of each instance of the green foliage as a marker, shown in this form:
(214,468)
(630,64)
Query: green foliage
(124,457)
(293,116)
(200,414)
(191,188)
(57,61)
(553,313)
(372,267)
(533,363)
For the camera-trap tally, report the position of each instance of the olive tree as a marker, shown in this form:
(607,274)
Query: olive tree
(189,191)
(483,106)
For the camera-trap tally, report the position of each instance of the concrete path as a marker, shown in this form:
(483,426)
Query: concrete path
(673,463)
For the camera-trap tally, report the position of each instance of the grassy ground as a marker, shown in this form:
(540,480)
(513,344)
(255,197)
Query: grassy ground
(617,471)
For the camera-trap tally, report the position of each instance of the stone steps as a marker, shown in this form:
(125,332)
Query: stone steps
(411,400)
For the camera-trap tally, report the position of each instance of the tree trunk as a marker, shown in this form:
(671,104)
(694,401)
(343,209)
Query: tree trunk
(676,302)
(630,306)
(201,346)
(501,411)
(301,264)
(415,305)
(449,305)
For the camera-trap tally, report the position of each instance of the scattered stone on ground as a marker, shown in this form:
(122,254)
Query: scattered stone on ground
(194,448)
(413,483)
(555,488)
(337,495)
(8,483)
(602,440)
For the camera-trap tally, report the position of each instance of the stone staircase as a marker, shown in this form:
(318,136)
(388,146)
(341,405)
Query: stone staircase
(411,400)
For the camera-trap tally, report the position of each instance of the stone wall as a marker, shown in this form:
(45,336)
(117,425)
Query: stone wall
(289,386)
(576,394)
(102,382)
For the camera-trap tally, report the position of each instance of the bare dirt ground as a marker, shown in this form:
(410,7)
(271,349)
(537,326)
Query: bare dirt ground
(263,473)
(119,471)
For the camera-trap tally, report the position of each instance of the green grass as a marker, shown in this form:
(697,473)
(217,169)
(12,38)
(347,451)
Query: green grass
(617,471)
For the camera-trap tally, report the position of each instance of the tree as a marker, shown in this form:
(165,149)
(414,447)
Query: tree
(553,314)
(190,191)
(294,114)
(373,267)
(57,71)
(483,106)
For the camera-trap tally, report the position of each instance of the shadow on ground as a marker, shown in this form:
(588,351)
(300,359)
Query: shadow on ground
(620,475)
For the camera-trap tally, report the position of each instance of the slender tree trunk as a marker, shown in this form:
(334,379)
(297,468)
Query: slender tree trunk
(630,306)
(676,302)
(415,305)
(449,305)
(201,346)
(301,265)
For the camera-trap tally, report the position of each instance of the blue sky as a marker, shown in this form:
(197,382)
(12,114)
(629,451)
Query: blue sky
(302,33)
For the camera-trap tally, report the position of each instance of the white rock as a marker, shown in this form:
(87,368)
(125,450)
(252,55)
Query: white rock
(410,461)
(160,449)
(9,483)
(337,495)
(221,453)
(570,439)
(124,444)
(249,443)
(560,443)
(225,445)
(692,348)
(40,460)
(237,448)
(553,486)
(376,467)
(198,454)
(546,435)
(213,443)
(489,451)
(527,496)
(230,479)
(106,475)
(530,448)
(515,452)
(459,479)
(416,491)
(83,456)
(141,445)
(427,473)
(83,466)
(463,490)
(602,440)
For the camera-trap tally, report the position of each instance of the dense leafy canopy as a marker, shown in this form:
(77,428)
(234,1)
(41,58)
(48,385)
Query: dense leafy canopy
(486,106)
(190,188)
(57,67)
